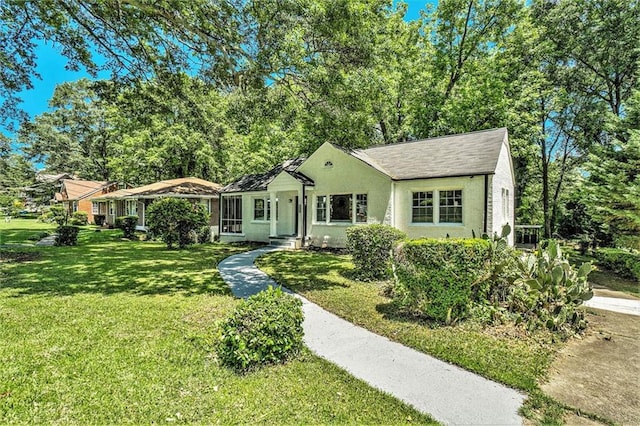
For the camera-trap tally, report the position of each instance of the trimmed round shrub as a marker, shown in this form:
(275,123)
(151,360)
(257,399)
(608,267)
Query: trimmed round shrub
(67,235)
(79,218)
(264,329)
(128,225)
(370,247)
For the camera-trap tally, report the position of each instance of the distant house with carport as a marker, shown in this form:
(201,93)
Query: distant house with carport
(134,201)
(453,186)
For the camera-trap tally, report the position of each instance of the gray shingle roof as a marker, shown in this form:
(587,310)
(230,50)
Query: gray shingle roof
(259,182)
(465,154)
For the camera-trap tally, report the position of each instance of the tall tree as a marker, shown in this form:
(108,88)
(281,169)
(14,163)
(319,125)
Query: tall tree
(73,137)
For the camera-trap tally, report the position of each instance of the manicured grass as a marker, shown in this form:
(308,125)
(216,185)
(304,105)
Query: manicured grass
(18,231)
(500,354)
(113,331)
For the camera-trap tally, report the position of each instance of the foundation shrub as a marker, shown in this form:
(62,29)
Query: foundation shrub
(370,247)
(625,263)
(79,218)
(439,279)
(264,329)
(128,225)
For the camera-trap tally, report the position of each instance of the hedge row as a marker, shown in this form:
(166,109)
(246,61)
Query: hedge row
(623,262)
(440,278)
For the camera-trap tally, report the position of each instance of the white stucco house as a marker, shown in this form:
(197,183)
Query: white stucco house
(456,186)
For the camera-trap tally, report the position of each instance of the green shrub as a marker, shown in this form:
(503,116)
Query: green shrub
(203,235)
(46,217)
(439,279)
(79,218)
(174,220)
(67,235)
(39,236)
(550,290)
(59,215)
(264,329)
(625,263)
(128,225)
(370,247)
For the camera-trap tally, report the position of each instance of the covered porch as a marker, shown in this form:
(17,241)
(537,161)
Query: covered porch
(287,192)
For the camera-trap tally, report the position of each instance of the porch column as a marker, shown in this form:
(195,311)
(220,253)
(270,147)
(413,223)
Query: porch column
(143,213)
(273,225)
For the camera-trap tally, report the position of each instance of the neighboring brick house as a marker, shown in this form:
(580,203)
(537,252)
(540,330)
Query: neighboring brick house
(134,201)
(74,194)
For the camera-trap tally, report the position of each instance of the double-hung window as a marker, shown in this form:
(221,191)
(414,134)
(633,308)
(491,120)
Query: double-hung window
(422,207)
(361,208)
(451,206)
(232,214)
(262,209)
(259,209)
(321,208)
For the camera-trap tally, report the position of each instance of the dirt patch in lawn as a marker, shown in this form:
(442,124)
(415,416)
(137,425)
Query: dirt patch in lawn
(599,374)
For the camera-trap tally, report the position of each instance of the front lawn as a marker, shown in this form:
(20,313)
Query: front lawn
(501,354)
(19,231)
(114,331)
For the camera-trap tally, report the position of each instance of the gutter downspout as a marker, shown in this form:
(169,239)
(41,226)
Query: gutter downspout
(486,202)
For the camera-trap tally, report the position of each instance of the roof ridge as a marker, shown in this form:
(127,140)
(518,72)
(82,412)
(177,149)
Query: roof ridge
(435,138)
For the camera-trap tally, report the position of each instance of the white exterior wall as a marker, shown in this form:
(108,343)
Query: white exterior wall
(251,230)
(472,207)
(347,175)
(503,179)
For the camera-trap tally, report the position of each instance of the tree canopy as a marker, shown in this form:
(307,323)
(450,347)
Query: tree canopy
(220,89)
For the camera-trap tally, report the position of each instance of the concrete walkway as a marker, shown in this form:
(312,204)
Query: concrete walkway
(47,241)
(448,393)
(623,306)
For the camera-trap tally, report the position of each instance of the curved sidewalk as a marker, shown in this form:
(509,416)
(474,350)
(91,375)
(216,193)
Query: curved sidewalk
(448,393)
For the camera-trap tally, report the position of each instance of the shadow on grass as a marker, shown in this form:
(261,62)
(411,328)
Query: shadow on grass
(392,312)
(305,271)
(109,267)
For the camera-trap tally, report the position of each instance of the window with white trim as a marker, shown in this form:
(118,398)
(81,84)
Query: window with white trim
(422,207)
(361,208)
(505,202)
(131,207)
(262,208)
(232,214)
(451,206)
(321,208)
(112,208)
(95,207)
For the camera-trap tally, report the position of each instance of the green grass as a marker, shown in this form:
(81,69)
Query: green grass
(112,331)
(601,277)
(18,231)
(496,353)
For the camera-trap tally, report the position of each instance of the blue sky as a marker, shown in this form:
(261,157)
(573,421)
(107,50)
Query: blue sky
(51,67)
